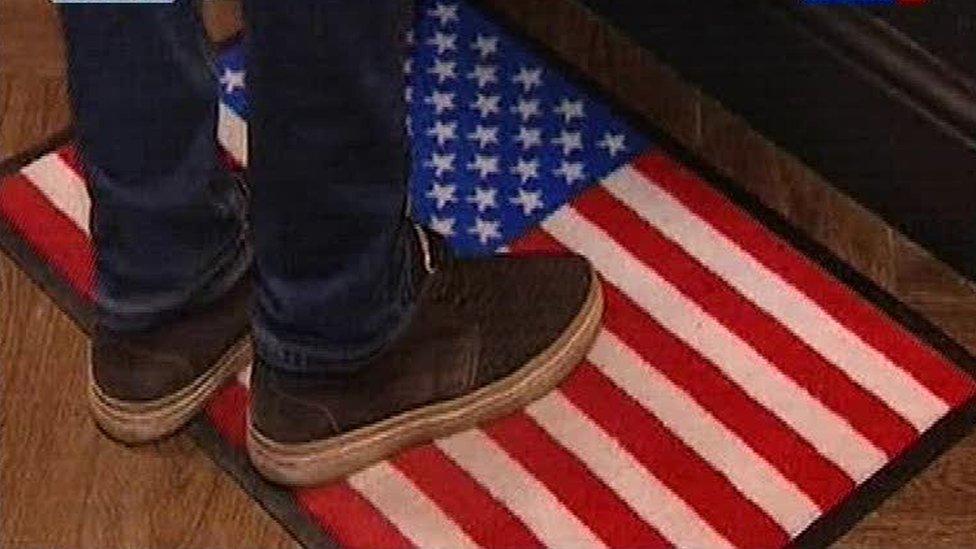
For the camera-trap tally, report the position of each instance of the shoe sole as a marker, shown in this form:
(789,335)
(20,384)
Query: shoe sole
(138,422)
(320,461)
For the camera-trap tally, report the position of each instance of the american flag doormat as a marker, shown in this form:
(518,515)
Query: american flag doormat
(742,393)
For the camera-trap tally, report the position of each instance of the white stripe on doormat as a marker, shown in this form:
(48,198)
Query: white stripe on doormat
(508,482)
(864,364)
(829,433)
(758,481)
(232,133)
(408,508)
(63,188)
(625,475)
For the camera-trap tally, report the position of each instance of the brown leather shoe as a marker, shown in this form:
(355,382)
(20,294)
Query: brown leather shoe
(143,386)
(488,336)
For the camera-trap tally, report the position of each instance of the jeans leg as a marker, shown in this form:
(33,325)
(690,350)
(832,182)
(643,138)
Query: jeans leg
(329,168)
(167,220)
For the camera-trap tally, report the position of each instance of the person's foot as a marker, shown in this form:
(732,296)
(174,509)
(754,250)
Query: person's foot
(487,337)
(146,385)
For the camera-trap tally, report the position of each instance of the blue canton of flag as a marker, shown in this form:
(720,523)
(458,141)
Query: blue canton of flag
(230,67)
(500,140)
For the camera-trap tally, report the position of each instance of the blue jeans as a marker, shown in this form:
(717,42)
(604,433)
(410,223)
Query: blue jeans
(324,227)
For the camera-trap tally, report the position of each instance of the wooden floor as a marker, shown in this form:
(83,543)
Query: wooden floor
(63,485)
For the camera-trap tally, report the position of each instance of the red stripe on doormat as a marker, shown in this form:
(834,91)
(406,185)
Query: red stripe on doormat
(577,488)
(72,157)
(537,242)
(484,519)
(861,408)
(228,161)
(825,483)
(349,518)
(938,375)
(49,233)
(227,410)
(716,500)
(765,433)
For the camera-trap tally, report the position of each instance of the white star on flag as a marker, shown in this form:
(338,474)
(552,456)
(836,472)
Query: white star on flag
(442,225)
(486,45)
(526,169)
(441,163)
(529,137)
(486,104)
(530,201)
(443,132)
(484,135)
(408,66)
(613,143)
(442,194)
(528,78)
(570,171)
(498,134)
(570,110)
(443,41)
(443,70)
(569,141)
(484,74)
(232,80)
(485,230)
(441,101)
(527,108)
(445,13)
(484,198)
(484,165)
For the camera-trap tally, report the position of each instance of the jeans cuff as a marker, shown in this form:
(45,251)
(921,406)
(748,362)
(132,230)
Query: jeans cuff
(290,356)
(309,356)
(133,315)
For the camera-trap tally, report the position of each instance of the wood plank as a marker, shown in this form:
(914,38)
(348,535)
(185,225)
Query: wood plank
(66,485)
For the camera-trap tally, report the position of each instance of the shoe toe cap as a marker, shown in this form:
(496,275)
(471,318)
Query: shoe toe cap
(539,300)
